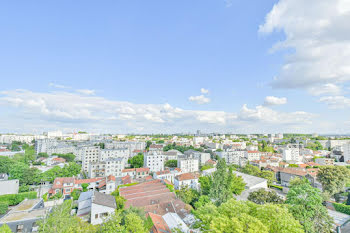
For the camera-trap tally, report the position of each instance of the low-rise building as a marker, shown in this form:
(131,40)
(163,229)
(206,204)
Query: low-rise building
(186,180)
(24,216)
(95,207)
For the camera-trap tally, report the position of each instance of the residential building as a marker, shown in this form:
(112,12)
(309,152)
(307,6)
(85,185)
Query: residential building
(324,161)
(291,154)
(95,207)
(66,185)
(252,155)
(232,157)
(188,164)
(24,216)
(136,173)
(154,161)
(186,180)
(110,166)
(8,186)
(153,196)
(89,155)
(167,174)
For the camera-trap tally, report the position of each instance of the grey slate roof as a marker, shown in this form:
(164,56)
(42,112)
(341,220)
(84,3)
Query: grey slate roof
(250,180)
(104,199)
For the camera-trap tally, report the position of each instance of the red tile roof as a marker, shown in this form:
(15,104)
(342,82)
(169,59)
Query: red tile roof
(187,176)
(159,225)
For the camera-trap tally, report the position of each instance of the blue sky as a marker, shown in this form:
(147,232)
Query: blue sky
(144,60)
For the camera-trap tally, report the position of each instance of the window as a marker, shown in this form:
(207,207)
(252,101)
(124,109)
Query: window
(19,228)
(96,216)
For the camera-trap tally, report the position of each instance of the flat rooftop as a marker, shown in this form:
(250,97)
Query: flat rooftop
(26,205)
(17,216)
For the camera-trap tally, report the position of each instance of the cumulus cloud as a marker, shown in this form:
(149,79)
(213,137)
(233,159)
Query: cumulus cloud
(272,100)
(200,99)
(204,91)
(265,114)
(317,31)
(86,91)
(46,110)
(336,102)
(325,89)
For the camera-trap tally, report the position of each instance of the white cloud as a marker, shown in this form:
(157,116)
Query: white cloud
(317,31)
(325,89)
(204,91)
(86,91)
(37,111)
(59,86)
(336,102)
(272,100)
(265,114)
(200,99)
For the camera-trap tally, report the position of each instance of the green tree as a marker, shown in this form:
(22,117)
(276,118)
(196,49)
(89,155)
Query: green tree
(76,194)
(333,178)
(171,163)
(60,221)
(235,183)
(305,203)
(134,224)
(84,187)
(112,225)
(263,196)
(5,229)
(202,201)
(187,195)
(220,190)
(205,182)
(241,216)
(5,164)
(136,161)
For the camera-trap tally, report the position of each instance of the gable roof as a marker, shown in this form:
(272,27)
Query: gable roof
(159,225)
(104,199)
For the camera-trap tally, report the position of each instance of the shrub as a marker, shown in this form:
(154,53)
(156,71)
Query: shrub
(3,207)
(276,186)
(14,199)
(345,209)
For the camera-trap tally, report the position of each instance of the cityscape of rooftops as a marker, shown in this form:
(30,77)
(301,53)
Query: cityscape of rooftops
(184,116)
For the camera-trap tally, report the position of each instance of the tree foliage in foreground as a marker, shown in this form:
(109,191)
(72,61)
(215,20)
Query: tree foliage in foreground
(305,203)
(224,183)
(263,196)
(333,178)
(240,217)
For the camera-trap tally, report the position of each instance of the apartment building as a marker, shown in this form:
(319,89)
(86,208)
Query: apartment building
(89,155)
(110,166)
(252,155)
(232,157)
(292,154)
(154,161)
(188,164)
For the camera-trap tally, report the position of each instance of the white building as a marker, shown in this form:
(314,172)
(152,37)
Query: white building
(346,151)
(186,180)
(95,206)
(202,157)
(167,175)
(154,161)
(9,187)
(188,164)
(292,154)
(232,157)
(89,155)
(110,166)
(252,155)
